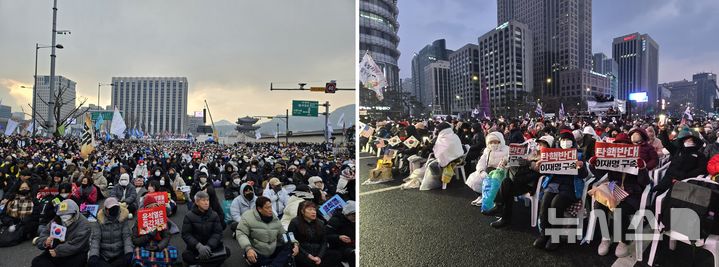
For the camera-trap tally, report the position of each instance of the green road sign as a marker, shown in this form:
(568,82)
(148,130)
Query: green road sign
(304,108)
(106,115)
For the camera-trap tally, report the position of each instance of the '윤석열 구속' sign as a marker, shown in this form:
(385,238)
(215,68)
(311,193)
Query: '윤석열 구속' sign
(559,161)
(617,157)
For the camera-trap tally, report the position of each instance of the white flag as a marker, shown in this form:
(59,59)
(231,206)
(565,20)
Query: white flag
(341,120)
(10,127)
(687,112)
(329,130)
(118,124)
(30,127)
(371,75)
(258,135)
(275,135)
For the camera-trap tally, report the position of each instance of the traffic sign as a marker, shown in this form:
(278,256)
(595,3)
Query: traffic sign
(331,87)
(304,108)
(106,115)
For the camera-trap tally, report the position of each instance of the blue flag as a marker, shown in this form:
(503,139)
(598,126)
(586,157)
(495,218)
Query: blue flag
(99,122)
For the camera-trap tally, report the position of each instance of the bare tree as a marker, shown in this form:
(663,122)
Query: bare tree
(61,120)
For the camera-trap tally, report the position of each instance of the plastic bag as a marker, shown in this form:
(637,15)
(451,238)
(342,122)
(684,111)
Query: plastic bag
(490,187)
(432,177)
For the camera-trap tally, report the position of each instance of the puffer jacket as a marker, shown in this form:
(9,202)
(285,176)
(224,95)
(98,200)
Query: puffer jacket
(240,204)
(77,238)
(313,241)
(153,243)
(253,233)
(290,210)
(492,158)
(279,199)
(646,150)
(128,192)
(202,227)
(101,182)
(110,238)
(339,225)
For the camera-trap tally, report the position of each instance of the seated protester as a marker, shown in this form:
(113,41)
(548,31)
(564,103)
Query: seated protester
(155,175)
(202,232)
(277,195)
(25,177)
(560,192)
(56,181)
(301,176)
(346,184)
(217,206)
(110,243)
(686,160)
(647,153)
(301,193)
(45,213)
(260,235)
(177,182)
(315,182)
(633,185)
(654,141)
(233,187)
(477,145)
(18,213)
(100,182)
(125,193)
(154,186)
(447,150)
(254,174)
(147,245)
(72,251)
(520,180)
(140,189)
(340,232)
(85,192)
(200,184)
(310,233)
(495,152)
(241,204)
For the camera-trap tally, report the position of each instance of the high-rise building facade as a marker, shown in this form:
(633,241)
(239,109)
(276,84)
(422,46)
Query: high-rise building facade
(464,81)
(430,53)
(154,104)
(608,67)
(562,32)
(707,90)
(637,56)
(64,91)
(436,76)
(505,65)
(5,112)
(699,93)
(378,35)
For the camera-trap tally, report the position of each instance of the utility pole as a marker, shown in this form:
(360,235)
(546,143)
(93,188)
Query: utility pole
(51,103)
(327,118)
(287,127)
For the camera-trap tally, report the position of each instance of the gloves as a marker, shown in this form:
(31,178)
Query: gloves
(641,164)
(203,251)
(593,161)
(93,261)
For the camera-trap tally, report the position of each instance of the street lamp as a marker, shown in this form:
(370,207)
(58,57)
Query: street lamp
(34,83)
(98,92)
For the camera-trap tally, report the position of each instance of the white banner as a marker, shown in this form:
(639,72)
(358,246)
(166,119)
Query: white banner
(11,126)
(617,157)
(516,152)
(559,161)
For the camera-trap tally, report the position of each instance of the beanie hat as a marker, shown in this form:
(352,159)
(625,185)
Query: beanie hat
(547,139)
(349,208)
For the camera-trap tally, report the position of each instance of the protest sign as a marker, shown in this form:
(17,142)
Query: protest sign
(160,197)
(91,211)
(151,219)
(617,157)
(394,141)
(334,203)
(516,152)
(42,193)
(558,161)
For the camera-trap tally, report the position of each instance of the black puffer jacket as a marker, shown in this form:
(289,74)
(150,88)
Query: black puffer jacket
(312,241)
(688,162)
(202,227)
(337,226)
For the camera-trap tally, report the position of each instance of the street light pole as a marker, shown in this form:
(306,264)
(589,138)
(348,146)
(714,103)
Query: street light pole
(34,92)
(51,103)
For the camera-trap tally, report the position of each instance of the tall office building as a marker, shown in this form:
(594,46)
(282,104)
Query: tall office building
(378,35)
(154,104)
(707,90)
(505,64)
(436,76)
(64,91)
(638,58)
(430,53)
(608,67)
(562,31)
(464,78)
(5,112)
(699,93)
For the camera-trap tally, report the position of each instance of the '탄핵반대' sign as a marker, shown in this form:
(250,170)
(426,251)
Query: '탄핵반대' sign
(559,161)
(617,157)
(516,152)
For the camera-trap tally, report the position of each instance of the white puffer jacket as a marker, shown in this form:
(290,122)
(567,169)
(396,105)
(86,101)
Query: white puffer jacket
(492,158)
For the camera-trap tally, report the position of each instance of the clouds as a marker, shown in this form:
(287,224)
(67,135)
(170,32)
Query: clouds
(685,30)
(229,50)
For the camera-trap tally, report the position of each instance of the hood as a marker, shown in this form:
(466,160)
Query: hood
(242,188)
(495,136)
(101,218)
(641,132)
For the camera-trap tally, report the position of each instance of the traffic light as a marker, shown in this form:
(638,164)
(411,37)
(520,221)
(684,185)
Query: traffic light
(204,115)
(331,87)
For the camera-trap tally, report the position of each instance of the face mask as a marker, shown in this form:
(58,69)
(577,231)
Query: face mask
(162,182)
(29,166)
(303,172)
(253,169)
(249,196)
(203,180)
(157,173)
(66,218)
(64,195)
(493,147)
(689,143)
(114,211)
(708,130)
(124,182)
(565,144)
(636,139)
(237,181)
(24,192)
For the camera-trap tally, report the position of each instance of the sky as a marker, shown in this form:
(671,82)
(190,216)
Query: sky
(229,50)
(687,31)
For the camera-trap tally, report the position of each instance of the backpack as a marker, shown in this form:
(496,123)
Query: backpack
(9,239)
(700,196)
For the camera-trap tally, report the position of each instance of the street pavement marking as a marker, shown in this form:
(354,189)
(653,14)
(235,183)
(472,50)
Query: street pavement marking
(368,157)
(380,190)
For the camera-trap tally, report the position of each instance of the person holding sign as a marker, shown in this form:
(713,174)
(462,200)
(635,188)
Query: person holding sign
(202,232)
(564,183)
(260,236)
(626,188)
(147,245)
(110,243)
(67,243)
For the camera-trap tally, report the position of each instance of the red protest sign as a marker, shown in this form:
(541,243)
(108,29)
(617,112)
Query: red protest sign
(617,157)
(151,219)
(558,161)
(42,193)
(160,197)
(196,155)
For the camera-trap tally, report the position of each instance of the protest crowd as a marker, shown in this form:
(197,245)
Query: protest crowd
(285,205)
(569,166)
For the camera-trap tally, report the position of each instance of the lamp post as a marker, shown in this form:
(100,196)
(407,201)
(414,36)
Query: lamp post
(34,84)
